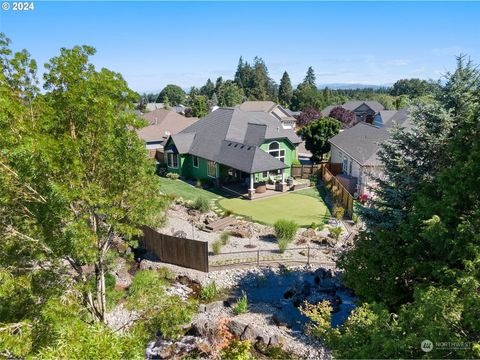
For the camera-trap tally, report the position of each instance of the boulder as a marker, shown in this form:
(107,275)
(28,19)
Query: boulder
(214,305)
(194,212)
(236,327)
(180,234)
(276,340)
(309,233)
(241,233)
(280,320)
(251,333)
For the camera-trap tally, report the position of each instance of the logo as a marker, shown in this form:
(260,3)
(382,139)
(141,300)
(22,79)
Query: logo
(426,346)
(5,6)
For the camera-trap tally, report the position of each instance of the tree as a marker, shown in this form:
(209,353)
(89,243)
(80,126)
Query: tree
(310,78)
(307,116)
(85,181)
(345,116)
(285,91)
(413,88)
(208,89)
(306,96)
(316,135)
(174,93)
(200,106)
(230,94)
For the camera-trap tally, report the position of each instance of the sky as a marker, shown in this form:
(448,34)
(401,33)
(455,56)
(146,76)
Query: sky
(153,44)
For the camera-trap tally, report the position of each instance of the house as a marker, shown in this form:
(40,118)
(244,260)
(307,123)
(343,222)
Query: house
(356,149)
(161,124)
(287,120)
(231,145)
(365,111)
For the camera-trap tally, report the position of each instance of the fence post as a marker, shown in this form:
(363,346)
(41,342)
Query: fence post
(308,255)
(258,258)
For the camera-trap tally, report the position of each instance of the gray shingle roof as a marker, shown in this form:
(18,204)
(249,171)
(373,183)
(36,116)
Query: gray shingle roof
(354,104)
(209,137)
(361,142)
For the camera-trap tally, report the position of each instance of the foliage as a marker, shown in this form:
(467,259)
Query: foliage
(345,116)
(237,350)
(209,292)
(230,94)
(146,288)
(307,116)
(174,94)
(224,237)
(241,306)
(338,211)
(201,204)
(413,88)
(317,134)
(200,106)
(217,247)
(285,90)
(285,231)
(335,232)
(310,78)
(173,176)
(254,80)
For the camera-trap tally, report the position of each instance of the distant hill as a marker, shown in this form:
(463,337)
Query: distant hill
(346,86)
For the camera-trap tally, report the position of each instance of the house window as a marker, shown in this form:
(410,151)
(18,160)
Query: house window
(345,165)
(350,168)
(195,161)
(265,174)
(275,151)
(211,168)
(172,160)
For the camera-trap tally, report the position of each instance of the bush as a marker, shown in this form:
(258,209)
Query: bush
(320,226)
(285,232)
(355,219)
(173,176)
(335,232)
(217,247)
(227,213)
(313,226)
(224,237)
(296,162)
(201,204)
(237,350)
(338,212)
(209,292)
(241,307)
(198,184)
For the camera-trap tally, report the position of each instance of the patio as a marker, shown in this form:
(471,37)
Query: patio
(263,190)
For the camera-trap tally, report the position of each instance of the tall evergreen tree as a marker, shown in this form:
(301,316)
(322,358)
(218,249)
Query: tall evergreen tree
(285,91)
(310,78)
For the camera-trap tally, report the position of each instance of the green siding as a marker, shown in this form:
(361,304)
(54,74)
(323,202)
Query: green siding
(290,155)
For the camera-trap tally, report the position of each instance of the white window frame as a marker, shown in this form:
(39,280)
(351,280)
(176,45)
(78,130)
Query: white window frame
(170,162)
(345,165)
(211,163)
(281,152)
(195,159)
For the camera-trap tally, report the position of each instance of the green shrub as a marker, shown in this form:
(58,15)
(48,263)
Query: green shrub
(209,292)
(237,350)
(320,226)
(146,289)
(110,281)
(217,247)
(241,307)
(296,162)
(224,237)
(335,232)
(227,213)
(173,176)
(285,231)
(338,211)
(201,204)
(313,226)
(198,183)
(355,218)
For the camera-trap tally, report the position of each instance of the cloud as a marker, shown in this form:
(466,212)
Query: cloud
(449,51)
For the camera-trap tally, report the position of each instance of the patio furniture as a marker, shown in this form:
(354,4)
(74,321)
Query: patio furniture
(261,188)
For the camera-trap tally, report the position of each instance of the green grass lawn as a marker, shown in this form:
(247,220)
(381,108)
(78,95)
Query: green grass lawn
(182,189)
(303,207)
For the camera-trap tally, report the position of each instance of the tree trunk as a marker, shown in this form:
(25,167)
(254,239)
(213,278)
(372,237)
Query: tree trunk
(101,297)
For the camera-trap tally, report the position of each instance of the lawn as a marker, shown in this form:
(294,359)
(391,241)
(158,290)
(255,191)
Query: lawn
(303,207)
(182,189)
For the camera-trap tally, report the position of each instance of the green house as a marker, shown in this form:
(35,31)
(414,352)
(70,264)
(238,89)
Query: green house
(232,146)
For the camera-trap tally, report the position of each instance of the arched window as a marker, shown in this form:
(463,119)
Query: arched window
(275,151)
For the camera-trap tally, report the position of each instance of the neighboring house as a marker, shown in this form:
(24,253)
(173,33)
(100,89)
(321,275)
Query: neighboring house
(162,124)
(365,111)
(284,116)
(356,149)
(231,145)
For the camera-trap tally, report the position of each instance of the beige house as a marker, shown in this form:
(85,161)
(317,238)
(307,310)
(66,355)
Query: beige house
(357,150)
(277,111)
(161,124)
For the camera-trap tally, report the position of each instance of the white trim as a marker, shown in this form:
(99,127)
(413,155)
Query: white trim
(208,172)
(178,161)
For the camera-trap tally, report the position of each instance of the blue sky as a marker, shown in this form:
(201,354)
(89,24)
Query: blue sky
(156,43)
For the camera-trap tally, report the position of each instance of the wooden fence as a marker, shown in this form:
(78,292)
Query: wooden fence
(340,193)
(188,253)
(305,171)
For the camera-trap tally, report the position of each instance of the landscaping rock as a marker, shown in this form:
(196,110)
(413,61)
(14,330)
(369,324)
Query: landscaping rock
(309,233)
(166,349)
(194,213)
(236,327)
(214,305)
(240,233)
(276,340)
(280,320)
(251,333)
